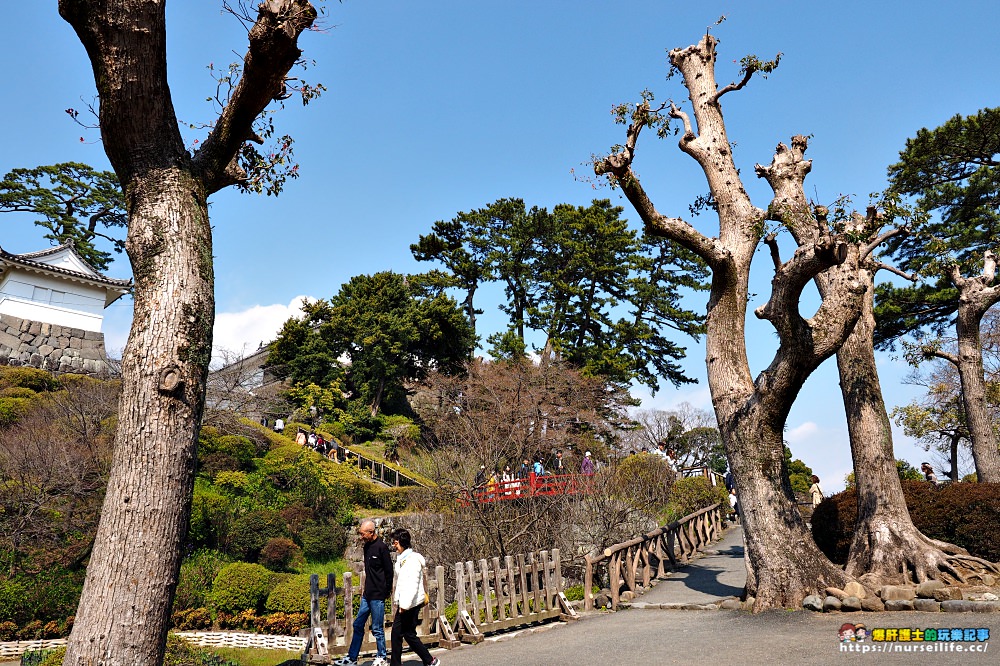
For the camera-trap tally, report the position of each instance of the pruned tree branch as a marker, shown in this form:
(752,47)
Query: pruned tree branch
(272,52)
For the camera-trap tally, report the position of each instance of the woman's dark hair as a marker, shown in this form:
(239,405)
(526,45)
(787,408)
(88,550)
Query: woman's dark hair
(815,478)
(402,536)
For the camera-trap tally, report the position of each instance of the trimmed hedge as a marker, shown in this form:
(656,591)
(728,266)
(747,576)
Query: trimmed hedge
(964,514)
(241,586)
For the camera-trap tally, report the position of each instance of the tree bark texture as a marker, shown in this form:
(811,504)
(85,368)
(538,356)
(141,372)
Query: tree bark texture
(887,548)
(975,298)
(783,563)
(124,613)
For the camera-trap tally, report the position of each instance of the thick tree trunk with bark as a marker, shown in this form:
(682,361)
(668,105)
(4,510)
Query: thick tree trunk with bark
(975,298)
(124,613)
(887,547)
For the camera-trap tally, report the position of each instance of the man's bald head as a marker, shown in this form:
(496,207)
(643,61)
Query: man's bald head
(366,530)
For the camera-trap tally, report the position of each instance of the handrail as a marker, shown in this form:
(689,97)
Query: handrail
(676,541)
(531,486)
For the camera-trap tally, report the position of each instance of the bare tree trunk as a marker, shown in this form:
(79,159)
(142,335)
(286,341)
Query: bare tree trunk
(136,558)
(887,547)
(124,613)
(970,369)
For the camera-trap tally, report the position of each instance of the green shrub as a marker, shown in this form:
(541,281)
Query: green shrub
(281,554)
(290,595)
(251,532)
(323,541)
(17,392)
(282,624)
(8,630)
(51,657)
(241,586)
(693,494)
(12,409)
(53,629)
(52,594)
(963,514)
(37,380)
(32,631)
(198,571)
(575,592)
(191,619)
(211,516)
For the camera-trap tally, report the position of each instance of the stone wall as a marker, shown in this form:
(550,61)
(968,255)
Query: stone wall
(51,347)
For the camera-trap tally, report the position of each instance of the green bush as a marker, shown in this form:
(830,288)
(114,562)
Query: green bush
(211,516)
(283,624)
(963,514)
(49,595)
(51,657)
(17,392)
(290,595)
(37,380)
(241,586)
(12,409)
(191,619)
(8,630)
(32,631)
(251,532)
(693,494)
(198,572)
(281,554)
(323,541)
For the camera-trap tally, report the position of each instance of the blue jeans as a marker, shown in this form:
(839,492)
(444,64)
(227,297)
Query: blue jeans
(376,609)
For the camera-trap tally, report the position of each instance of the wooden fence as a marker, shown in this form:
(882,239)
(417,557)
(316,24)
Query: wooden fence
(645,557)
(527,589)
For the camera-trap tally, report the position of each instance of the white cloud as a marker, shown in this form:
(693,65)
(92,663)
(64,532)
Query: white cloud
(243,332)
(804,432)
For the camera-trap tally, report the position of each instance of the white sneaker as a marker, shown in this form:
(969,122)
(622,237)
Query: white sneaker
(345,661)
(435,662)
(380,661)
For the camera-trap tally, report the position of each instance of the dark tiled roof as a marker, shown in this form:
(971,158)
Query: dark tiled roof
(28,260)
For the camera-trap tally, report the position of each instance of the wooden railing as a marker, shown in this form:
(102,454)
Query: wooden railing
(526,589)
(647,556)
(378,470)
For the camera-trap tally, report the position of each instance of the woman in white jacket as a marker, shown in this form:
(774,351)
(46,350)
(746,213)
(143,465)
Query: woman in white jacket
(409,597)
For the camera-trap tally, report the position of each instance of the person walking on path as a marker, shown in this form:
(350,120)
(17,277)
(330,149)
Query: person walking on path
(587,466)
(378,583)
(410,597)
(815,491)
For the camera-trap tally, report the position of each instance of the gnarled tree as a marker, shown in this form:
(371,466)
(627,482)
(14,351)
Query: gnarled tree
(124,613)
(783,563)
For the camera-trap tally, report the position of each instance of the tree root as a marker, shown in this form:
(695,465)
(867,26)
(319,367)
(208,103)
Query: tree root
(896,553)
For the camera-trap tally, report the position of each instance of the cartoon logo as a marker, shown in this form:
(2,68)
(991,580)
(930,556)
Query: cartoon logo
(847,632)
(860,633)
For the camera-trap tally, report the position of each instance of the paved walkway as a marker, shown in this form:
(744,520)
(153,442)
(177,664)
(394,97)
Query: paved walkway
(719,573)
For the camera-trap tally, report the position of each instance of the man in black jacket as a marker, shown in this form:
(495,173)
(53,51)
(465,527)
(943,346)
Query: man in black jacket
(378,587)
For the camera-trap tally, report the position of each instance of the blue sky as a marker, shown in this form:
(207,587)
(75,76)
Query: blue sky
(437,107)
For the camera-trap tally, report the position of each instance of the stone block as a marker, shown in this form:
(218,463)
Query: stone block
(954,606)
(732,604)
(926,589)
(850,604)
(926,605)
(899,605)
(35,327)
(75,343)
(45,350)
(855,589)
(831,603)
(9,340)
(986,607)
(835,592)
(36,360)
(897,593)
(77,332)
(95,336)
(813,603)
(45,329)
(948,594)
(11,321)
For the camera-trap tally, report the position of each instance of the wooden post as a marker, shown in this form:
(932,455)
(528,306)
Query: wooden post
(487,593)
(498,578)
(522,574)
(614,574)
(348,608)
(543,564)
(512,586)
(448,639)
(313,600)
(471,573)
(331,608)
(588,584)
(536,597)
